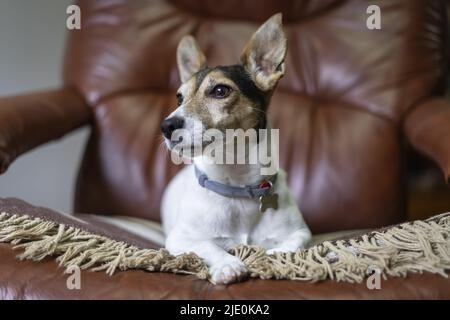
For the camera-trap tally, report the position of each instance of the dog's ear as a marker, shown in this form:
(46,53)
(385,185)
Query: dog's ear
(263,56)
(190,58)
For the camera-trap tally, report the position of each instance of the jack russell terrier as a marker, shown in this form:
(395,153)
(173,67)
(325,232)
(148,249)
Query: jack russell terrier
(210,208)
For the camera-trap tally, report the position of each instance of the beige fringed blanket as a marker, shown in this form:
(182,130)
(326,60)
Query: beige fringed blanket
(420,246)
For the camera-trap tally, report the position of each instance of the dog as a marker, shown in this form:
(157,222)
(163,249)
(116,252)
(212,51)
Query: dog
(210,208)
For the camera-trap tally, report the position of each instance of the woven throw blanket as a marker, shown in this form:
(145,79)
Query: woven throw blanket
(416,247)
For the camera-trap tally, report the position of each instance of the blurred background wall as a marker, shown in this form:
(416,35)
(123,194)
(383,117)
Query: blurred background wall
(32,38)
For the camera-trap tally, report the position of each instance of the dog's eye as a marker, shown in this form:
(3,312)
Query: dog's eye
(220,91)
(179,99)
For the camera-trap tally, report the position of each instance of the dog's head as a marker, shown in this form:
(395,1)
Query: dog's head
(227,97)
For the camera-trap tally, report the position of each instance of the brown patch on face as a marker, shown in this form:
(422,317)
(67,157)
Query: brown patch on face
(236,111)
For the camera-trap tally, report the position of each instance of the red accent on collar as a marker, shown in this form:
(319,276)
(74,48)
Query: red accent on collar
(264,184)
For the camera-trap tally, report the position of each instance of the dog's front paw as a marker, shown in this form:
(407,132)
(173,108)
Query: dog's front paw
(228,271)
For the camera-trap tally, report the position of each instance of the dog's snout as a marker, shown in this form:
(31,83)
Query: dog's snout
(169,125)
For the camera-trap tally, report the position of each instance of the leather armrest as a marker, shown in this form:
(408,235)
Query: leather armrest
(27,121)
(428,130)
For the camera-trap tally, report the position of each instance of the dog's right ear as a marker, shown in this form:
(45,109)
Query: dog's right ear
(190,58)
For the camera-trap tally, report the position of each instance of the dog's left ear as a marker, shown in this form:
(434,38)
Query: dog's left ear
(263,56)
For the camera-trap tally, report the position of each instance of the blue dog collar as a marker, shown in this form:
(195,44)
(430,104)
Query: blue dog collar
(262,189)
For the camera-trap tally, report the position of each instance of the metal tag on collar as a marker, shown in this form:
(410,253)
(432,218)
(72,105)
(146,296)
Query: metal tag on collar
(269,200)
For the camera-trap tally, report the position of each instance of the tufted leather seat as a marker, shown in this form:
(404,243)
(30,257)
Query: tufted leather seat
(352,98)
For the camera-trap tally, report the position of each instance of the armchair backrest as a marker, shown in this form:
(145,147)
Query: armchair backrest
(339,107)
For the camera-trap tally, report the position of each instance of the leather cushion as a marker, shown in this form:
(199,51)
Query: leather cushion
(44,280)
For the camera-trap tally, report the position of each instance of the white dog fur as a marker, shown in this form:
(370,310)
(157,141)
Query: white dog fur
(198,220)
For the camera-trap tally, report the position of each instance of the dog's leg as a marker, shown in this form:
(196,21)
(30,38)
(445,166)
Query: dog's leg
(224,268)
(296,240)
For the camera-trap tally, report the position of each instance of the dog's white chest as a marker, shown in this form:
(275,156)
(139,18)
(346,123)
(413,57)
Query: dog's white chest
(234,223)
(194,211)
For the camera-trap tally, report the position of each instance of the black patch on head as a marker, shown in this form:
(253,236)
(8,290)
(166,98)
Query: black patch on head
(244,82)
(200,76)
(241,78)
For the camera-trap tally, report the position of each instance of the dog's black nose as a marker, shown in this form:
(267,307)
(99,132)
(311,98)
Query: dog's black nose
(169,125)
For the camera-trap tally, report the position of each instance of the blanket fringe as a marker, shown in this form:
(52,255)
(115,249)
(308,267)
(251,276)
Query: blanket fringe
(413,247)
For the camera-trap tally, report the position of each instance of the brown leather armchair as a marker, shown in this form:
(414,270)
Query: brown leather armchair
(350,102)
